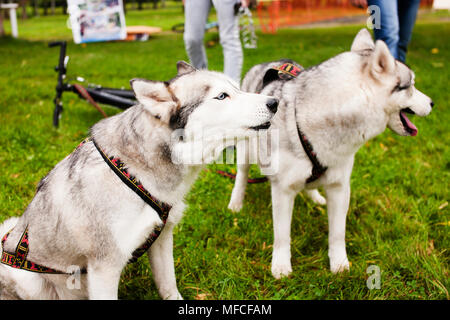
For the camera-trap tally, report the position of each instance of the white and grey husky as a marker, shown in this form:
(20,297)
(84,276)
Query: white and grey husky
(325,115)
(88,214)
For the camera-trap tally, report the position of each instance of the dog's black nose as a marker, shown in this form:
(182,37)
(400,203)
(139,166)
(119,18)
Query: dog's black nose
(432,104)
(272,104)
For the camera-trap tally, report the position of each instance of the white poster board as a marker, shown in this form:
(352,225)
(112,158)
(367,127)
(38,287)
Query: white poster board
(97,20)
(441,4)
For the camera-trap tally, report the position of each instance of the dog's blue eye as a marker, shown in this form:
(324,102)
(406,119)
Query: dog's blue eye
(399,87)
(222,96)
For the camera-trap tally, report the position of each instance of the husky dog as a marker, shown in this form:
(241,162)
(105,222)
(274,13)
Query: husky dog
(83,215)
(336,106)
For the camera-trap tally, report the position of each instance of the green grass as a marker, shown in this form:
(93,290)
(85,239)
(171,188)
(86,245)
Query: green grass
(398,218)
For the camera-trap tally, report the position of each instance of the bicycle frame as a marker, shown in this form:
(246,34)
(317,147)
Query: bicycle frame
(119,98)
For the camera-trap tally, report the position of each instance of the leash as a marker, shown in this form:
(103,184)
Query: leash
(83,92)
(249,180)
(18,259)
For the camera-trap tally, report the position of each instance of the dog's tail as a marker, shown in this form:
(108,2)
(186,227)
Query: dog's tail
(5,227)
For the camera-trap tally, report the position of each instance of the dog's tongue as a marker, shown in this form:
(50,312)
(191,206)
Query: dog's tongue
(411,128)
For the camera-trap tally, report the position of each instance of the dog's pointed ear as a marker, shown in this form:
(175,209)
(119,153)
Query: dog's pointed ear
(156,97)
(363,41)
(184,67)
(381,60)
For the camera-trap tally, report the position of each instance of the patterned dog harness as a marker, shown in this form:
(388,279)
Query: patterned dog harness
(18,259)
(118,167)
(286,72)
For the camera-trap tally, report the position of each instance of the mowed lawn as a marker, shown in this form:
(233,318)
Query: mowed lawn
(399,214)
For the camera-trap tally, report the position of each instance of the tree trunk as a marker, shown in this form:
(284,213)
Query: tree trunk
(36,8)
(23,4)
(2,30)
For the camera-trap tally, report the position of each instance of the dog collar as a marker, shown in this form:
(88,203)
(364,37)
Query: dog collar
(286,71)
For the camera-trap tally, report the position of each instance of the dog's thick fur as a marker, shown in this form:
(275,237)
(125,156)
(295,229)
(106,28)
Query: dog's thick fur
(83,215)
(339,105)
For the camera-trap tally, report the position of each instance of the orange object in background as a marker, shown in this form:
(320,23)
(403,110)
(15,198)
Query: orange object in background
(273,14)
(141,32)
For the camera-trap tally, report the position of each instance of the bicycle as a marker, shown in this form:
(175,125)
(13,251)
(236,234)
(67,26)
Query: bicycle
(93,93)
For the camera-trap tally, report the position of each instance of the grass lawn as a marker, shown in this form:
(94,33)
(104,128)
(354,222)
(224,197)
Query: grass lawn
(399,213)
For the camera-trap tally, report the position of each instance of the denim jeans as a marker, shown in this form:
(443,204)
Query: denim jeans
(196,14)
(397,18)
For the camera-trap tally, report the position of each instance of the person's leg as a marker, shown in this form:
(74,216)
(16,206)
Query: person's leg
(389,24)
(407,12)
(229,38)
(196,14)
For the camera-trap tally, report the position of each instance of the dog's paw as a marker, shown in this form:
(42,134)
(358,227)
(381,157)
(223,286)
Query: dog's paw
(174,296)
(235,206)
(320,200)
(338,266)
(281,270)
(316,197)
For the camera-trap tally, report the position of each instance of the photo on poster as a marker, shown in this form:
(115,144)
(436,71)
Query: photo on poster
(97,20)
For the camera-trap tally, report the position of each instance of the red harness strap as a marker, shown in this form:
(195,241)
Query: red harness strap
(289,69)
(18,259)
(162,208)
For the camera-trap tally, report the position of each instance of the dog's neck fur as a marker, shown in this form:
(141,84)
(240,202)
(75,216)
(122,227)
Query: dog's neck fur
(152,160)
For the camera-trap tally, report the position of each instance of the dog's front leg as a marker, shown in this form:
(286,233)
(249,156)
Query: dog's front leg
(338,198)
(282,206)
(238,193)
(243,166)
(161,261)
(103,281)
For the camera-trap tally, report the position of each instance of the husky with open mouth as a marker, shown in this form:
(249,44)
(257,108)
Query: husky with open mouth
(326,114)
(120,193)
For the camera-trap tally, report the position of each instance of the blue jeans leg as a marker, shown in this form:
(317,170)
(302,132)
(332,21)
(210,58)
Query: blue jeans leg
(407,12)
(389,24)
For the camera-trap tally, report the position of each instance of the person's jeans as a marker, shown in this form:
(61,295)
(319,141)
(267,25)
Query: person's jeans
(196,15)
(397,19)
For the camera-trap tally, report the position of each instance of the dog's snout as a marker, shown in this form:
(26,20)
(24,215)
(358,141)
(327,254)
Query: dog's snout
(432,104)
(272,104)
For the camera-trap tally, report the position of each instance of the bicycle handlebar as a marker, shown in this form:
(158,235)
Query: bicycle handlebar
(61,69)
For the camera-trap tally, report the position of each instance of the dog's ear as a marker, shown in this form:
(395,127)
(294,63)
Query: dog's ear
(381,60)
(156,97)
(363,41)
(184,67)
